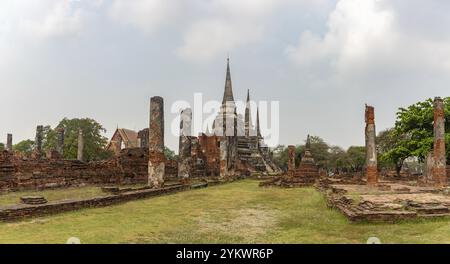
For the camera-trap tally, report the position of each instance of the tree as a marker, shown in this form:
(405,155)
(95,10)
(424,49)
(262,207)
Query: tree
(391,150)
(319,150)
(170,154)
(356,158)
(25,147)
(280,156)
(94,142)
(2,146)
(415,125)
(338,158)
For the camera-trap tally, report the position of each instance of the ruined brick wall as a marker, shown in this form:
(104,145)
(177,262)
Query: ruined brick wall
(210,148)
(131,166)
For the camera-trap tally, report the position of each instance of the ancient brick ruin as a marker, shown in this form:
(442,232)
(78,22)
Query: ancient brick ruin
(307,173)
(371,150)
(391,199)
(233,149)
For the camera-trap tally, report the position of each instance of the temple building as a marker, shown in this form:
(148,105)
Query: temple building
(234,147)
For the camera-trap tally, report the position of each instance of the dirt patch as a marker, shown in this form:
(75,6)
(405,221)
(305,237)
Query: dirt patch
(248,224)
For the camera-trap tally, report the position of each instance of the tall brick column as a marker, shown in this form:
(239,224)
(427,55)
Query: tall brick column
(223,157)
(371,151)
(38,142)
(156,163)
(291,160)
(60,141)
(80,151)
(9,142)
(438,172)
(184,148)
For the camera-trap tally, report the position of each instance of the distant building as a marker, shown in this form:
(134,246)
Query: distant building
(123,138)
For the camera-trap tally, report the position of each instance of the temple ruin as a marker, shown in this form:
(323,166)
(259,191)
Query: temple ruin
(393,199)
(306,175)
(232,148)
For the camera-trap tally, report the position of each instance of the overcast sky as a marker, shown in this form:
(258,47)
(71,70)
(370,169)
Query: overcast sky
(322,59)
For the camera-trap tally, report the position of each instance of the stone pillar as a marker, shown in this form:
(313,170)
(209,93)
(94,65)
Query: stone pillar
(60,141)
(371,151)
(80,152)
(9,142)
(184,147)
(156,163)
(38,142)
(439,174)
(143,138)
(223,157)
(291,160)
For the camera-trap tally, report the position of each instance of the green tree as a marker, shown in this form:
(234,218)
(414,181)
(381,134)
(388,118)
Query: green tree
(280,156)
(415,124)
(391,150)
(170,154)
(94,141)
(338,158)
(356,158)
(2,146)
(25,147)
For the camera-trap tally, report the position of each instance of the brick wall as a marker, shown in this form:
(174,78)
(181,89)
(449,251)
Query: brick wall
(130,166)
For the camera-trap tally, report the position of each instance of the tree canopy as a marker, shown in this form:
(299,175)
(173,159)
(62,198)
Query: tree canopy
(413,134)
(325,156)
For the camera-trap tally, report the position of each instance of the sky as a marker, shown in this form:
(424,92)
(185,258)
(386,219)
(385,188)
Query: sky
(322,60)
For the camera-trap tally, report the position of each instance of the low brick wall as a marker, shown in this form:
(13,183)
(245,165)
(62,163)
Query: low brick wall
(18,212)
(131,166)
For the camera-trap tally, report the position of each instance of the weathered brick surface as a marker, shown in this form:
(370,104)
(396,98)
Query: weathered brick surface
(130,166)
(371,151)
(156,162)
(439,175)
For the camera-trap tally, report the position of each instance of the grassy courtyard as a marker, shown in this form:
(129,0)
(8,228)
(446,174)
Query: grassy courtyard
(53,195)
(239,212)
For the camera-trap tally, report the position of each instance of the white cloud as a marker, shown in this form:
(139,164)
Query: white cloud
(365,40)
(231,24)
(208,38)
(147,15)
(44,18)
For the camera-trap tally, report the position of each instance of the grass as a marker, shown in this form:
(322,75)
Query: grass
(53,195)
(239,212)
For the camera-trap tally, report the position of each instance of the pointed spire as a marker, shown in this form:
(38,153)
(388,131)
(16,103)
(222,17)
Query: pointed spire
(248,115)
(308,143)
(207,130)
(258,129)
(228,93)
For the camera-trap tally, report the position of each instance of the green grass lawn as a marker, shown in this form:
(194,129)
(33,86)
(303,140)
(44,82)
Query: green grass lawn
(53,195)
(239,212)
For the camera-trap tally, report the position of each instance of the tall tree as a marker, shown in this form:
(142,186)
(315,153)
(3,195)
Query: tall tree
(391,150)
(356,157)
(25,147)
(94,141)
(415,125)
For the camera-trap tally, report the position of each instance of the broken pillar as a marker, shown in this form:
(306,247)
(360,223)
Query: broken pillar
(291,160)
(439,175)
(371,151)
(223,157)
(156,163)
(9,142)
(184,148)
(37,153)
(80,151)
(143,138)
(60,141)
